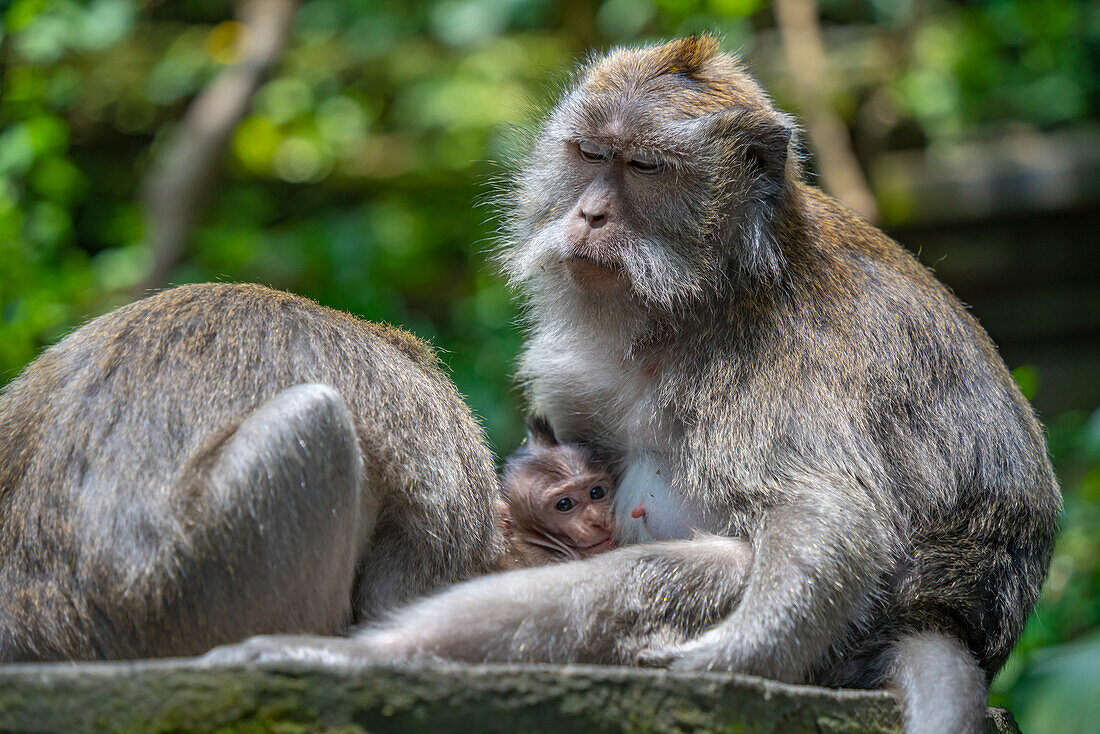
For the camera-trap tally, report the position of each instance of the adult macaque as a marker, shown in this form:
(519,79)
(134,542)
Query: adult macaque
(218,461)
(756,361)
(556,504)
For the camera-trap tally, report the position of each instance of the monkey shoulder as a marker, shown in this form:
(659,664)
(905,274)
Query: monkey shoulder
(864,314)
(161,374)
(258,307)
(869,380)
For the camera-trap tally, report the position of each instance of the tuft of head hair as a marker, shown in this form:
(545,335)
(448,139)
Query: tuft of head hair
(685,56)
(692,74)
(539,431)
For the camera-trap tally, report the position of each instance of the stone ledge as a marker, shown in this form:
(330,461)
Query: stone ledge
(172,696)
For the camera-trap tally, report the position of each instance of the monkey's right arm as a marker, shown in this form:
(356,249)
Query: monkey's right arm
(818,561)
(603,610)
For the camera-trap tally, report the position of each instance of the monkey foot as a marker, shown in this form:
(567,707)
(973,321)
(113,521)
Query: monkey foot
(278,649)
(656,658)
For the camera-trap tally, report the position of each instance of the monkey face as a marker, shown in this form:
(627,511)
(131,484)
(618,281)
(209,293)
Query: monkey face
(651,181)
(579,513)
(557,496)
(613,220)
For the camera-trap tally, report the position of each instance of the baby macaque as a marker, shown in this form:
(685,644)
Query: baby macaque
(556,502)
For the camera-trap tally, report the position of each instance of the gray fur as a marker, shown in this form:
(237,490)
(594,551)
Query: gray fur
(780,371)
(940,684)
(219,461)
(849,416)
(605,609)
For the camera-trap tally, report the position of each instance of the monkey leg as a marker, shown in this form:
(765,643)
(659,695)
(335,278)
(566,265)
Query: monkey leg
(601,610)
(274,517)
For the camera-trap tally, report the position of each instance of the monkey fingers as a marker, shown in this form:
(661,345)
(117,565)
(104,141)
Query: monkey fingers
(656,658)
(706,653)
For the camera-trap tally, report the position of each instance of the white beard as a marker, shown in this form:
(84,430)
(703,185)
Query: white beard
(657,277)
(585,371)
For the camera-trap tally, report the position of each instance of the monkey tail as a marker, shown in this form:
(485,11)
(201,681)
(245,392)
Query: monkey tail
(941,686)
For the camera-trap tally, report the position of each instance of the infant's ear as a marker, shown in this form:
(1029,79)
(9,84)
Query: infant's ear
(504,512)
(539,432)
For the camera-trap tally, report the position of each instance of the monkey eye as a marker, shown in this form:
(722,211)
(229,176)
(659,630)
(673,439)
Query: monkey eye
(597,493)
(565,504)
(591,152)
(645,163)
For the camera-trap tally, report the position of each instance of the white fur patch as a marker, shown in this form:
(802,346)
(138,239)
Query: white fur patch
(645,482)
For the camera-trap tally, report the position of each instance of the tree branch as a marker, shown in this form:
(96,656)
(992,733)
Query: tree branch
(802,44)
(176,186)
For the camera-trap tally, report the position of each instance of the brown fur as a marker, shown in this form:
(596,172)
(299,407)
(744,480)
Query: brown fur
(756,362)
(800,378)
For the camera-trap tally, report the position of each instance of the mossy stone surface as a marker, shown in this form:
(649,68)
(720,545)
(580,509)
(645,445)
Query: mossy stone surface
(176,696)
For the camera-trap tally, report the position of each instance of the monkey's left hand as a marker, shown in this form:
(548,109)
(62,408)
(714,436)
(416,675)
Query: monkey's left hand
(713,651)
(745,642)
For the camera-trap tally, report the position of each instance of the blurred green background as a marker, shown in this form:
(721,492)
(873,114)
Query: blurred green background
(360,172)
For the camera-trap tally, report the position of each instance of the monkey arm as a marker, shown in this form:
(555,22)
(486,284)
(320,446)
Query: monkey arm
(817,563)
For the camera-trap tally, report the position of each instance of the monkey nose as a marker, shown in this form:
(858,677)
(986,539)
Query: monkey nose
(595,219)
(594,214)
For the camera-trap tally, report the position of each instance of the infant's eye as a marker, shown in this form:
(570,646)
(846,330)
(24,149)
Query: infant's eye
(597,493)
(645,163)
(591,152)
(565,504)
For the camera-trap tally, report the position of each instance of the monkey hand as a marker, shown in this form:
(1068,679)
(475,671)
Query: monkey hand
(656,658)
(720,649)
(274,650)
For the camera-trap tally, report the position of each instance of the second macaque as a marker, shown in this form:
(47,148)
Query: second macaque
(556,502)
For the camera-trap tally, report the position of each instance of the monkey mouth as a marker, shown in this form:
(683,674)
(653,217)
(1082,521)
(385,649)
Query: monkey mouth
(599,547)
(588,257)
(593,271)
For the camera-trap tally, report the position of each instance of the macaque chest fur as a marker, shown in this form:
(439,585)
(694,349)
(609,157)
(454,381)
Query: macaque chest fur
(582,379)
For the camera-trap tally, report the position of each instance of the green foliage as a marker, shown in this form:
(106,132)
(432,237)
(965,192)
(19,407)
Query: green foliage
(355,176)
(1015,60)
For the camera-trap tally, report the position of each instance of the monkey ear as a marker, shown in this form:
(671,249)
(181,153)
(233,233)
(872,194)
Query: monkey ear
(765,140)
(769,139)
(504,513)
(539,431)
(764,137)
